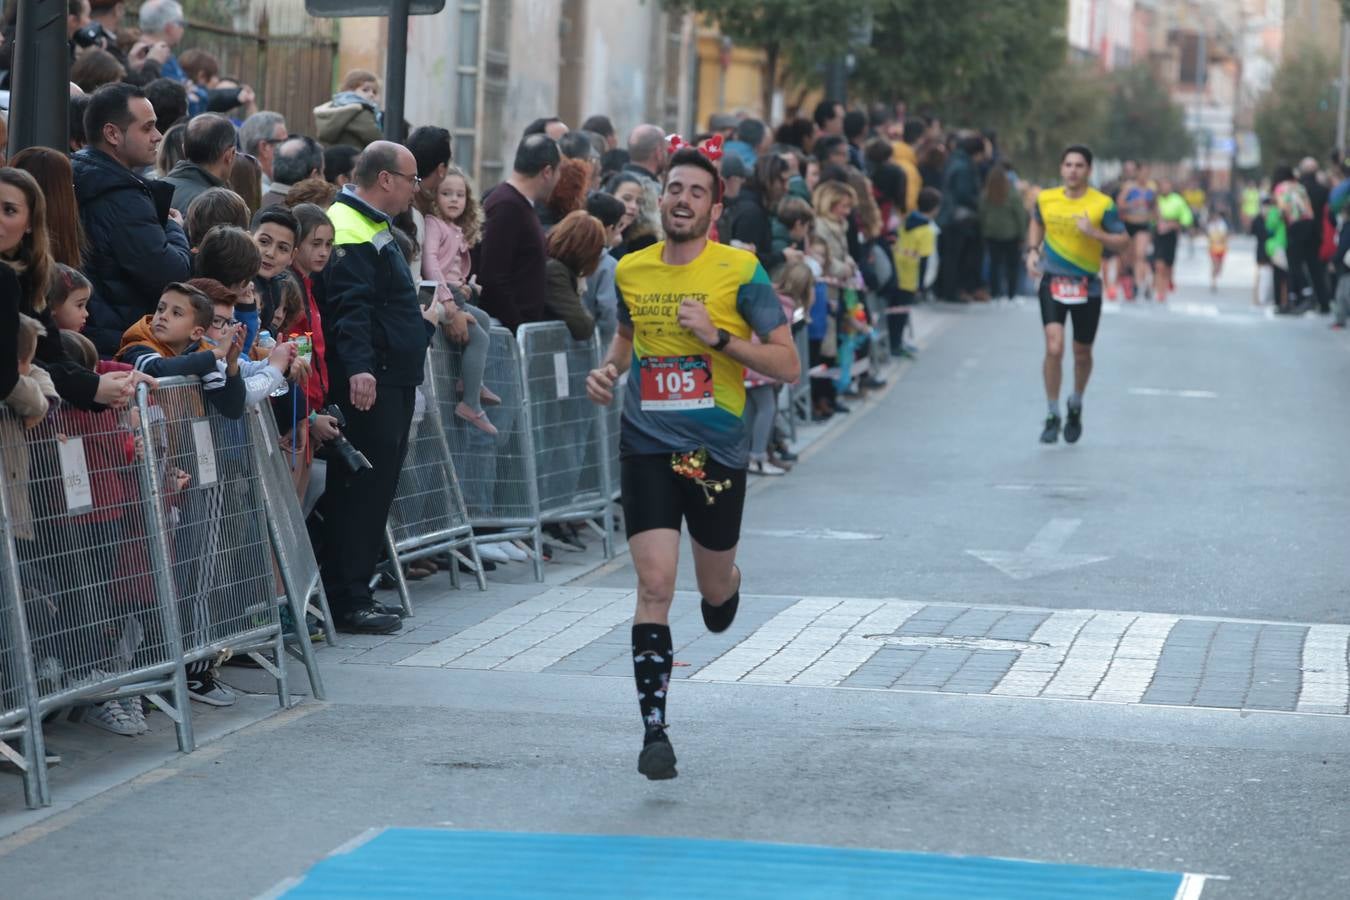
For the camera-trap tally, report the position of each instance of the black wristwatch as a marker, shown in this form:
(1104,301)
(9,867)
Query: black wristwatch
(723,338)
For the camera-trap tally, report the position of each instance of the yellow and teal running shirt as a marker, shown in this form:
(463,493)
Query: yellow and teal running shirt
(682,394)
(1067,250)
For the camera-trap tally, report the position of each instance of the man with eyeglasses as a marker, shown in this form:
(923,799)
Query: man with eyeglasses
(260,136)
(377,336)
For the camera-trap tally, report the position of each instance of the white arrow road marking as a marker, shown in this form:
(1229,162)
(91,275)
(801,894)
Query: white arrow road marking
(1042,556)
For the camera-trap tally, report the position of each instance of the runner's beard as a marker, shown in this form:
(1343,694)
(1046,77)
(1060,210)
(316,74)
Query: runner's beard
(697,227)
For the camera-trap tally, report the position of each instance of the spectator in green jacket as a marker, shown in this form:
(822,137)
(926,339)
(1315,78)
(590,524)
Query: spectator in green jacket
(1003,223)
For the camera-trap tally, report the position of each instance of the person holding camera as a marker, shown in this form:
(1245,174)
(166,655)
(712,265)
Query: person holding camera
(376,335)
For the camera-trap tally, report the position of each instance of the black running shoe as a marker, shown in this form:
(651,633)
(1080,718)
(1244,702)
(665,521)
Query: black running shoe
(719,618)
(1073,425)
(1051,433)
(657,759)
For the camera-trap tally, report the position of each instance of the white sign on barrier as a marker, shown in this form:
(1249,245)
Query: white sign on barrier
(75,474)
(206,452)
(560,374)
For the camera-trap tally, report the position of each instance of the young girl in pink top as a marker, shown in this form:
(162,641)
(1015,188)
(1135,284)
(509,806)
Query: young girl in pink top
(453,226)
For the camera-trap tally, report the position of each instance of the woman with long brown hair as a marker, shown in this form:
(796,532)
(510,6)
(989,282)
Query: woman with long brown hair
(24,276)
(574,247)
(1003,224)
(51,170)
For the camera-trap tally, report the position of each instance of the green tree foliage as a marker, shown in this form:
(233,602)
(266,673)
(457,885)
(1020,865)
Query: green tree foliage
(1296,117)
(969,61)
(1143,121)
(804,32)
(1075,112)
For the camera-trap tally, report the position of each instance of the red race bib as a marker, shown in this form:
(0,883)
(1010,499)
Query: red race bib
(677,382)
(1068,290)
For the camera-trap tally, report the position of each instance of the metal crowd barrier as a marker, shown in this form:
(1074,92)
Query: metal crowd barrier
(571,447)
(428,517)
(799,394)
(613,417)
(496,474)
(296,564)
(134,542)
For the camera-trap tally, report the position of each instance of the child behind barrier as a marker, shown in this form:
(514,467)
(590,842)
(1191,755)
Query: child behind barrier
(112,534)
(261,377)
(453,227)
(795,286)
(275,232)
(68,298)
(314,246)
(229,255)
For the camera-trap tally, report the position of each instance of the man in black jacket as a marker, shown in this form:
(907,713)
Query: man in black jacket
(136,243)
(377,336)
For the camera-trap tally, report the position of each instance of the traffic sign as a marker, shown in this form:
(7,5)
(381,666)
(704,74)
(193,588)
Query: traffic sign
(339,9)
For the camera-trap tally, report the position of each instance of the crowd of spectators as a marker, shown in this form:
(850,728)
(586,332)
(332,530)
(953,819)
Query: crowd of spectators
(185,231)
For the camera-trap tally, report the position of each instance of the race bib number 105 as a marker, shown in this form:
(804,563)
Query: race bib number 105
(677,382)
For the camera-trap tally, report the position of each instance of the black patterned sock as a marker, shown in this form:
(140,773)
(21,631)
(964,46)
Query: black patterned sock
(653,658)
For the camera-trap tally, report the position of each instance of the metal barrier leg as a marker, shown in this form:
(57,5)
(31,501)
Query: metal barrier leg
(405,599)
(150,473)
(321,611)
(536,533)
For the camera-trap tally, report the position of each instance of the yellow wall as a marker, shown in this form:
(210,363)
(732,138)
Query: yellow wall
(744,80)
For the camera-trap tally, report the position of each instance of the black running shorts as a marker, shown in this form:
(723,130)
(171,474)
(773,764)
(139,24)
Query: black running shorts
(1165,247)
(655,497)
(1133,228)
(1085,316)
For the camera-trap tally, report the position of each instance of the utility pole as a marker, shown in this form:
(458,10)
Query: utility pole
(40,81)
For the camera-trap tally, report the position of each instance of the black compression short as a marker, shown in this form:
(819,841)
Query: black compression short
(1165,247)
(1133,228)
(1086,316)
(655,497)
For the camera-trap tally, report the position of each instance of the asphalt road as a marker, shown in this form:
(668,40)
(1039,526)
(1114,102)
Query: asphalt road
(1210,482)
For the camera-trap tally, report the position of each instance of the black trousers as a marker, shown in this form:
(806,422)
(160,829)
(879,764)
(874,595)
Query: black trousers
(962,255)
(1305,269)
(1005,266)
(355,507)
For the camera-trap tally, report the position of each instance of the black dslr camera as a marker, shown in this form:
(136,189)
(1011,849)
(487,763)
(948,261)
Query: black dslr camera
(94,35)
(342,448)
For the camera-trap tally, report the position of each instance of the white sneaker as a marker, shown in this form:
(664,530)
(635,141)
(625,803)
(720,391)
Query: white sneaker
(513,550)
(112,717)
(493,553)
(136,713)
(760,467)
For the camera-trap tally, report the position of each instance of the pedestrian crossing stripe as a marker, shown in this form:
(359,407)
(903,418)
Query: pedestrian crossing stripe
(1007,651)
(422,862)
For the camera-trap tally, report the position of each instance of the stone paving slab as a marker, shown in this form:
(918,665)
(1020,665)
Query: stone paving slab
(894,644)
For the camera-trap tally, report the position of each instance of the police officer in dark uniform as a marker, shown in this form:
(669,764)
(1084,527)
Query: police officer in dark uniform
(377,335)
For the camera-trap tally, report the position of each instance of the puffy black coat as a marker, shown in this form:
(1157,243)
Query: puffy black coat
(134,248)
(372,320)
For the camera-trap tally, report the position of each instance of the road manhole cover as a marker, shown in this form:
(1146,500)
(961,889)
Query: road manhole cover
(943,642)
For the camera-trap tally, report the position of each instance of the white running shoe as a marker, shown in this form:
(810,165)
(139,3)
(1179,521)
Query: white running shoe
(112,717)
(493,553)
(761,467)
(513,550)
(136,713)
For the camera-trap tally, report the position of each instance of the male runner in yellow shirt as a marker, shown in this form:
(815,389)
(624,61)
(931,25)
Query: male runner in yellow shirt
(687,310)
(1074,222)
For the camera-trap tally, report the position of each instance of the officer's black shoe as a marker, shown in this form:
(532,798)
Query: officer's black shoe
(369,621)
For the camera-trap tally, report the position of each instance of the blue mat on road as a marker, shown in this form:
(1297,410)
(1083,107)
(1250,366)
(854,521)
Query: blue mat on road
(409,862)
